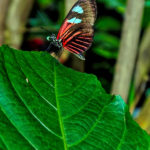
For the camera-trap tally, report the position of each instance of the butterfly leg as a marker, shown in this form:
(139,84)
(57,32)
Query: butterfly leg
(80,56)
(49,48)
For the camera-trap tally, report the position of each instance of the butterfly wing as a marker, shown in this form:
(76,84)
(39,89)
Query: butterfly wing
(76,33)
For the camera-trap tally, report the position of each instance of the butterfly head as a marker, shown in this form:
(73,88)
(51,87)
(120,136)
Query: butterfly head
(54,41)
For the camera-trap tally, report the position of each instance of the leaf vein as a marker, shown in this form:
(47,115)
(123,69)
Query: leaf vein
(21,98)
(59,113)
(82,107)
(92,128)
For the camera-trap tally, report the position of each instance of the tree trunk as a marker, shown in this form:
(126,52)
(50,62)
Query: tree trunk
(128,48)
(143,63)
(68,5)
(142,71)
(4,4)
(16,20)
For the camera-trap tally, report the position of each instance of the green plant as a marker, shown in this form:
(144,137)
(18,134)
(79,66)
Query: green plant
(46,106)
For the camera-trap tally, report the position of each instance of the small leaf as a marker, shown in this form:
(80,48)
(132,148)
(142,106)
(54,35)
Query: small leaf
(46,106)
(119,5)
(44,3)
(106,45)
(105,53)
(108,24)
(102,37)
(147,3)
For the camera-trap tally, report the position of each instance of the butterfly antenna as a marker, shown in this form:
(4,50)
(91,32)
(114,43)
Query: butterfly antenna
(45,29)
(41,15)
(42,18)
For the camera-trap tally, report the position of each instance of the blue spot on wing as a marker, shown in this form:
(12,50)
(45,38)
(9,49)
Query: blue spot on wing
(75,20)
(78,9)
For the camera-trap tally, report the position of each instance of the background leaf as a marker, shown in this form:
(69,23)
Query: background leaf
(45,105)
(44,2)
(108,24)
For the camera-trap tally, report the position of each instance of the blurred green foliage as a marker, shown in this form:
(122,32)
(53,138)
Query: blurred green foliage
(118,5)
(148,92)
(41,18)
(106,45)
(45,3)
(107,23)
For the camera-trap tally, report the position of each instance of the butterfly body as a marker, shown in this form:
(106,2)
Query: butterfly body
(76,32)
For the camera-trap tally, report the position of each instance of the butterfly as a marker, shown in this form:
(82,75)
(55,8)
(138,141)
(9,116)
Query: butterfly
(76,33)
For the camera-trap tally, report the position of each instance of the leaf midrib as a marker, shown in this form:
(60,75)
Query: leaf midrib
(123,135)
(58,108)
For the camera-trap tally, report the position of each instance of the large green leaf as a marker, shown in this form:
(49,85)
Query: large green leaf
(46,106)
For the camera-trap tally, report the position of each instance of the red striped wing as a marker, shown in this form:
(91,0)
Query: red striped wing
(76,33)
(78,39)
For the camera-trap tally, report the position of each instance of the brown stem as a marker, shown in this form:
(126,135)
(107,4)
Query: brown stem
(143,119)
